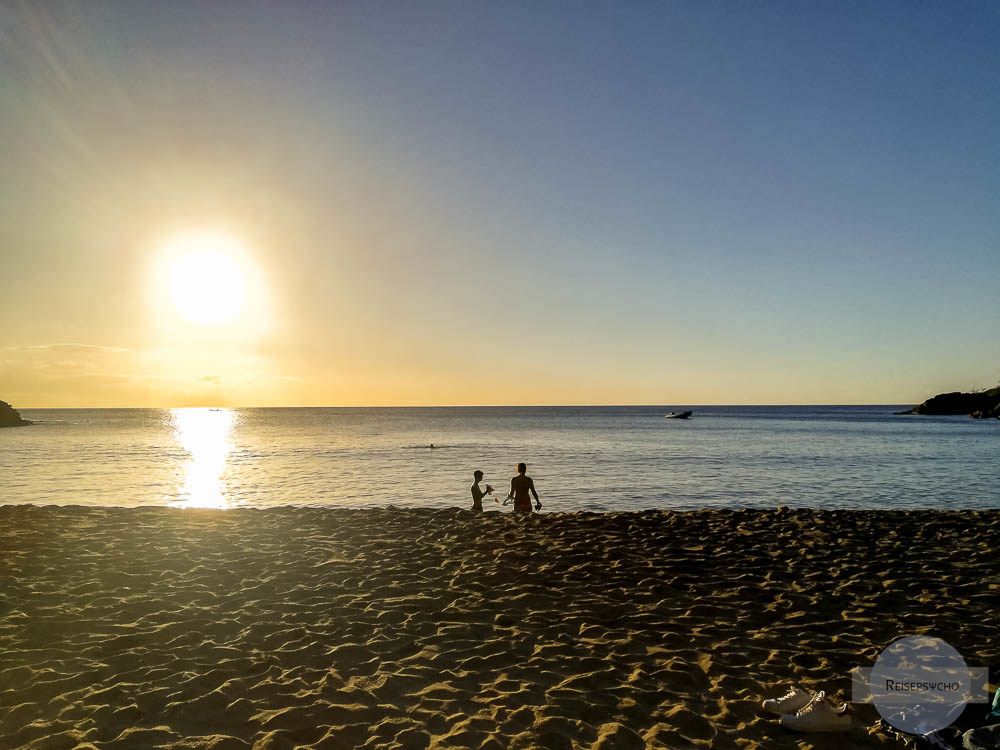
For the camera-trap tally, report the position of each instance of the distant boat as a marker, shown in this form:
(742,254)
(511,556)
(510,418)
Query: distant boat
(675,415)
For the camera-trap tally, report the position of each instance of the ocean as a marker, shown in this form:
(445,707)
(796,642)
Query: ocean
(581,458)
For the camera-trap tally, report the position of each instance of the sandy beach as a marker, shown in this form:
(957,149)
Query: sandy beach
(407,628)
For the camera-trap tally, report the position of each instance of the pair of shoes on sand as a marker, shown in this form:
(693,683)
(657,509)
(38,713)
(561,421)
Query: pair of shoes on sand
(809,712)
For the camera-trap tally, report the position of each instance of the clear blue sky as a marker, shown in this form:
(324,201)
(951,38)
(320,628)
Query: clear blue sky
(677,202)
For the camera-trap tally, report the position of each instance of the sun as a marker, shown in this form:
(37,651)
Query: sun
(207,282)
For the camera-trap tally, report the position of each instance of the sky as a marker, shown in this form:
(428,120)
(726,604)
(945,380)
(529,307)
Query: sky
(465,202)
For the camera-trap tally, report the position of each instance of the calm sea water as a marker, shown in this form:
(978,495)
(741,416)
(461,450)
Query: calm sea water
(592,458)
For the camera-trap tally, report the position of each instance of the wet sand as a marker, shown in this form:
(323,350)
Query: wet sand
(284,628)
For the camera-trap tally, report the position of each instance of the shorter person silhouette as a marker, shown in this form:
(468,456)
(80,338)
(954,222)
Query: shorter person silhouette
(521,488)
(477,494)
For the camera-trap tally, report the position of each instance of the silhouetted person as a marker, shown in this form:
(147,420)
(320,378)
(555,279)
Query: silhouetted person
(477,494)
(520,487)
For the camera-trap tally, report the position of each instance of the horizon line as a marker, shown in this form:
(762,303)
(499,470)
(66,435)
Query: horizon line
(467,406)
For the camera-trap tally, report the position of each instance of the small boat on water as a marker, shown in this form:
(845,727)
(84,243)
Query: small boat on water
(675,415)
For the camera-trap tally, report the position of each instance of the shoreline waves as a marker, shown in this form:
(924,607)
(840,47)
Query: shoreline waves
(413,628)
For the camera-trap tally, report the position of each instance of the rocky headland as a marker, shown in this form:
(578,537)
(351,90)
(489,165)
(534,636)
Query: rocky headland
(978,405)
(10,417)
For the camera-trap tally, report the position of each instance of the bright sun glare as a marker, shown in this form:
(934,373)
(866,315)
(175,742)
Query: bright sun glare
(207,283)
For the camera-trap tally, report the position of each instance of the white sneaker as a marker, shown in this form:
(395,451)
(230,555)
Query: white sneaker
(789,703)
(819,715)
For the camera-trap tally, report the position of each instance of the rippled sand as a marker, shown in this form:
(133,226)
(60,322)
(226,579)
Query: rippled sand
(283,628)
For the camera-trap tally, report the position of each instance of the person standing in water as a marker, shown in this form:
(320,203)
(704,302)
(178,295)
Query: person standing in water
(520,487)
(477,494)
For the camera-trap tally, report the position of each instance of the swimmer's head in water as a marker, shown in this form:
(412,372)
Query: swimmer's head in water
(477,475)
(522,468)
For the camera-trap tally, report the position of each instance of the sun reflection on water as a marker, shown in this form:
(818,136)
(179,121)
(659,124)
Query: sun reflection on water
(206,434)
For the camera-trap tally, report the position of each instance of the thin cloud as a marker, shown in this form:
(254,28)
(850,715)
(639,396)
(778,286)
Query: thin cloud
(89,380)
(79,348)
(75,348)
